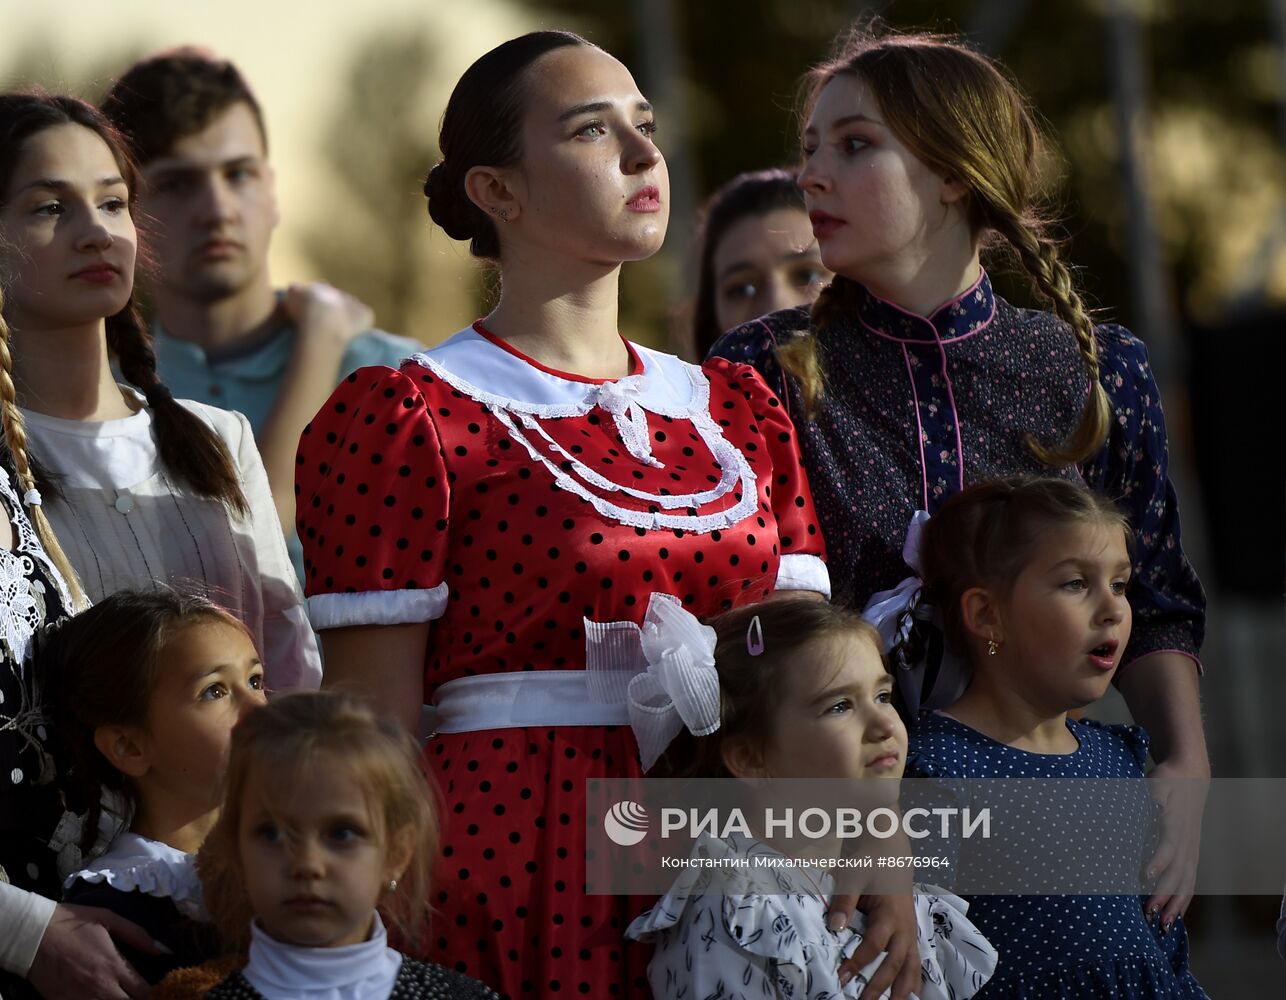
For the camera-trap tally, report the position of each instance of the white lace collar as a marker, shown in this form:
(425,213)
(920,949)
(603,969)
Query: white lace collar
(135,863)
(521,395)
(354,972)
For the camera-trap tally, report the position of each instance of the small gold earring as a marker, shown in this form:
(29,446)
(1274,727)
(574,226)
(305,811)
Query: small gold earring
(392,885)
(992,646)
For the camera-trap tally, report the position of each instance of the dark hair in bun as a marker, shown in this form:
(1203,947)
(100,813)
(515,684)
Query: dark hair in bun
(481,128)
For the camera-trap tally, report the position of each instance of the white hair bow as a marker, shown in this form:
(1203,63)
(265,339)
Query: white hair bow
(620,399)
(670,664)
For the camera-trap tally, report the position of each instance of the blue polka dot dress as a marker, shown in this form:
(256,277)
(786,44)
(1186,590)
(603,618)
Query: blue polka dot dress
(1061,946)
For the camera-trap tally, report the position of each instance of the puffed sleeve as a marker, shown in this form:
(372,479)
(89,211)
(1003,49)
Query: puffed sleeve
(803,555)
(372,496)
(755,344)
(289,650)
(1132,467)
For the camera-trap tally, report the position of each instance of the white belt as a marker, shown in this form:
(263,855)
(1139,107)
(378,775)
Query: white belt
(527,698)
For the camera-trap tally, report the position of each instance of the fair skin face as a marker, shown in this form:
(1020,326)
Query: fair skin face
(209,677)
(315,858)
(590,192)
(211,207)
(210,203)
(764,263)
(881,216)
(573,216)
(836,718)
(68,261)
(1059,629)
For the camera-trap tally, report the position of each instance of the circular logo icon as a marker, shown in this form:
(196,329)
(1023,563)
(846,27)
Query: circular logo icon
(625,823)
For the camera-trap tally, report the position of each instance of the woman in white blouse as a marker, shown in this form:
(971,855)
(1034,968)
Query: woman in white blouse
(141,487)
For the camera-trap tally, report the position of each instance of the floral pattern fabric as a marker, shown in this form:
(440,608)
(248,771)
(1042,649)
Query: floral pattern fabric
(916,408)
(32,596)
(719,934)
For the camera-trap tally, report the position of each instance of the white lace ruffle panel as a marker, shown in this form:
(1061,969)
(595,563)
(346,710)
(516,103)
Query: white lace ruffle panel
(22,604)
(628,401)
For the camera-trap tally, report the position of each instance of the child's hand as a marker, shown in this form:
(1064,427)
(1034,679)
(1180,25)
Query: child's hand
(76,957)
(890,927)
(1180,791)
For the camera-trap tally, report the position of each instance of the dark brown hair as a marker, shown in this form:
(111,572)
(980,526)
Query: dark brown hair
(751,687)
(289,737)
(174,94)
(482,127)
(102,667)
(754,193)
(984,536)
(189,448)
(963,118)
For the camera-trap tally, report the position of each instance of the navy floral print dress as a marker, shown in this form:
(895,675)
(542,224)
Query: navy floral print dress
(916,408)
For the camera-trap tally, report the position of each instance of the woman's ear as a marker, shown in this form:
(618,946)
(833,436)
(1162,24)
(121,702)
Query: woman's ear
(492,190)
(980,615)
(953,190)
(743,759)
(125,749)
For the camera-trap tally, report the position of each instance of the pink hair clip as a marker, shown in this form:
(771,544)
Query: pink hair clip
(755,637)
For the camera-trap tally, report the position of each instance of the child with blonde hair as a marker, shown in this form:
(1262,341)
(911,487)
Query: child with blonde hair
(328,829)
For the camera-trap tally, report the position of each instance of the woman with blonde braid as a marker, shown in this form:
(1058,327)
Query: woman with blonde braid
(143,487)
(46,947)
(910,378)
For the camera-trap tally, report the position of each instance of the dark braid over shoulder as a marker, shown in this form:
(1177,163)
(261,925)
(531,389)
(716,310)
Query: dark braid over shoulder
(190,450)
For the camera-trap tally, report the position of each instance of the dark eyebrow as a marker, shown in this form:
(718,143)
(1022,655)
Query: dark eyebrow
(809,252)
(844,690)
(596,106)
(1079,563)
(54,184)
(839,123)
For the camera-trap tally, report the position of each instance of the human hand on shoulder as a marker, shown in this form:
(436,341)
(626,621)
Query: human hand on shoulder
(323,312)
(77,958)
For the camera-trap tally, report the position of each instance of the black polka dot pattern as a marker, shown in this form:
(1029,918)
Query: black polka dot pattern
(1060,946)
(524,561)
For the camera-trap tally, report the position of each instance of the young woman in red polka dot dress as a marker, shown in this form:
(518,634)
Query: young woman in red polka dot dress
(468,519)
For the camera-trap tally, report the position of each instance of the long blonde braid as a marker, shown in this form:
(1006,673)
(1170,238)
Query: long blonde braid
(15,438)
(1039,257)
(961,116)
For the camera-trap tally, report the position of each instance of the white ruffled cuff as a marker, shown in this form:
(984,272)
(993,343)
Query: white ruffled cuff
(158,877)
(377,607)
(798,571)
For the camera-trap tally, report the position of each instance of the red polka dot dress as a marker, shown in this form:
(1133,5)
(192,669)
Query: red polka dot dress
(507,503)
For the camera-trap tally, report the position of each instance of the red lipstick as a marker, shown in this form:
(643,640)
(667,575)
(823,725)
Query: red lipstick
(645,199)
(824,224)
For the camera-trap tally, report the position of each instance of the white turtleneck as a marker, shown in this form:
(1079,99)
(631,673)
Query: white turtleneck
(363,971)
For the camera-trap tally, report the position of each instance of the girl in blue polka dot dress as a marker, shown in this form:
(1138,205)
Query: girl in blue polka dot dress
(1031,577)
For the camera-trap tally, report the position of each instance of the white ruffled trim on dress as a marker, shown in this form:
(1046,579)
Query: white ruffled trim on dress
(377,607)
(21,614)
(139,864)
(719,924)
(669,388)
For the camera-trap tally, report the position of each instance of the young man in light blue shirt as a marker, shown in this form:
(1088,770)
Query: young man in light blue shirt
(223,333)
